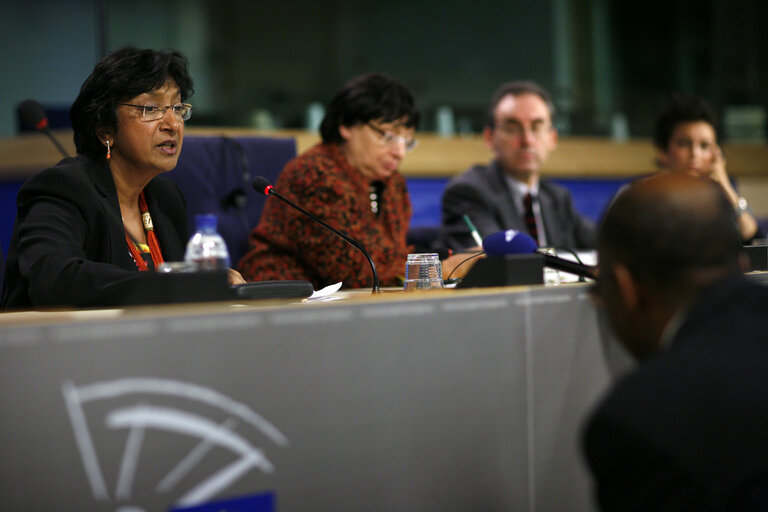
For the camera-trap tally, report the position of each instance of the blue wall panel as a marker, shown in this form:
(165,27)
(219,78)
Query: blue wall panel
(8,191)
(590,197)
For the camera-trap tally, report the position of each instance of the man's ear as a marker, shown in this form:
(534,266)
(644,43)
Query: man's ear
(626,286)
(553,137)
(488,137)
(662,159)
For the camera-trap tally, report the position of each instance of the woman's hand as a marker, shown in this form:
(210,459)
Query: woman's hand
(234,277)
(747,223)
(459,264)
(720,175)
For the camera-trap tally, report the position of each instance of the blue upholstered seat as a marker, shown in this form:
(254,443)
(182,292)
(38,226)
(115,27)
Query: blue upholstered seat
(214,173)
(2,267)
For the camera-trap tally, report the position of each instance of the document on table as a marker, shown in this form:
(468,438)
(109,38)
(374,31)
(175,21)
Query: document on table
(325,293)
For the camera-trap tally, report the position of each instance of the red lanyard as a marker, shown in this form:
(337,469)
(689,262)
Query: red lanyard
(149,229)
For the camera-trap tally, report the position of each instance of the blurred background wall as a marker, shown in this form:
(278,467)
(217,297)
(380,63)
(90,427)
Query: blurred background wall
(609,63)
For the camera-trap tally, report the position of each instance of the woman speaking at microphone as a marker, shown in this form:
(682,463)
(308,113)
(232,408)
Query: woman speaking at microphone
(86,227)
(351,181)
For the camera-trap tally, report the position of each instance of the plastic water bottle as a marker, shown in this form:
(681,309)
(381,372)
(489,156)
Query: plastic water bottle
(206,249)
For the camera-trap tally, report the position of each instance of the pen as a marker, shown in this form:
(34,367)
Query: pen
(473,230)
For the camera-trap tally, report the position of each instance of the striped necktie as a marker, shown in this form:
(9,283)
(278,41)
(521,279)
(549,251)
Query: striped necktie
(530,218)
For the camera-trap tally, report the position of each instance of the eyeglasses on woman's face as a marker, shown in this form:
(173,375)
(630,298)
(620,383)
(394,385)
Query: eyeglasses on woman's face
(387,138)
(152,112)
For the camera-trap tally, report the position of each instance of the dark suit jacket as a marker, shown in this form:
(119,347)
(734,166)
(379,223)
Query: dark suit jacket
(688,430)
(483,194)
(68,246)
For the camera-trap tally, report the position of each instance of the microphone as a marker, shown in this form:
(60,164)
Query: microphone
(509,242)
(263,186)
(517,242)
(33,115)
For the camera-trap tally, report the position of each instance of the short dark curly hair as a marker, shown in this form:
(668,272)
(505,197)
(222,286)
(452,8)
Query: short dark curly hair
(121,75)
(682,108)
(518,88)
(365,98)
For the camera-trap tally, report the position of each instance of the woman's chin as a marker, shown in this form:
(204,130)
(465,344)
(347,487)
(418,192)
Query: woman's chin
(386,172)
(378,174)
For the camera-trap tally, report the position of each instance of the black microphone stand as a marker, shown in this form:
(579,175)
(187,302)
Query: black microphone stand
(47,131)
(572,267)
(269,190)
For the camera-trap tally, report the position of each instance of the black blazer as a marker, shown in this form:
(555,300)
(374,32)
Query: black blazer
(68,246)
(688,430)
(483,194)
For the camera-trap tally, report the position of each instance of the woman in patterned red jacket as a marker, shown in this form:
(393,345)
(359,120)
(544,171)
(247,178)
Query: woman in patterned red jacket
(351,181)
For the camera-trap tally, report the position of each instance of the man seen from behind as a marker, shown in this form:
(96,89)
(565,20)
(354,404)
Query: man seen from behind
(688,429)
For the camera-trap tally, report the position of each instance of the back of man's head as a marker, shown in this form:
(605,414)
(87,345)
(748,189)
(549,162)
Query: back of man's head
(673,233)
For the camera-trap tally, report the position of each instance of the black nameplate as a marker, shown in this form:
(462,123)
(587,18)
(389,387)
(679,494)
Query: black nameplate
(509,270)
(171,288)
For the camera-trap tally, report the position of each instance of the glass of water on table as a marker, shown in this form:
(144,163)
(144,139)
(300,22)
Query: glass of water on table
(423,271)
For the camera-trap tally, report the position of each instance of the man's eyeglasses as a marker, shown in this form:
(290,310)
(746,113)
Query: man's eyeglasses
(537,129)
(152,113)
(390,139)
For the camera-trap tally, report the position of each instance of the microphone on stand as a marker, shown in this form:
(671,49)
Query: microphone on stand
(517,242)
(33,115)
(263,186)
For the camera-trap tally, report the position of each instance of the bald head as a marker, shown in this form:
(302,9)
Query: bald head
(662,241)
(671,230)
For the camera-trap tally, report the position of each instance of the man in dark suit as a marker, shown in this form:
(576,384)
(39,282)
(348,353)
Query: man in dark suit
(509,193)
(688,428)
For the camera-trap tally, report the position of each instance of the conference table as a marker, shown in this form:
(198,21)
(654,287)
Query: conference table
(449,400)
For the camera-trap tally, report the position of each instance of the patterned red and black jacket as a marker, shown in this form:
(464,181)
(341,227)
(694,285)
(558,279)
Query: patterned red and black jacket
(288,245)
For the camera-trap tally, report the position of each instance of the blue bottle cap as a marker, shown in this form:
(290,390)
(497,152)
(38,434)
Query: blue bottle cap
(206,222)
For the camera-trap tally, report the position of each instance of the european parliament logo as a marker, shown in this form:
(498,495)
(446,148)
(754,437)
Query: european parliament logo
(196,443)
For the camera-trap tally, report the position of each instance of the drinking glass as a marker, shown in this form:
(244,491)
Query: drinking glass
(423,271)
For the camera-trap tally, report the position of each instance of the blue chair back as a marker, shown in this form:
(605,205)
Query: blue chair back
(214,174)
(2,267)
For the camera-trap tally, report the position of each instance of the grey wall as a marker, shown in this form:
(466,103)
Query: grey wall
(246,56)
(47,48)
(598,57)
(446,52)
